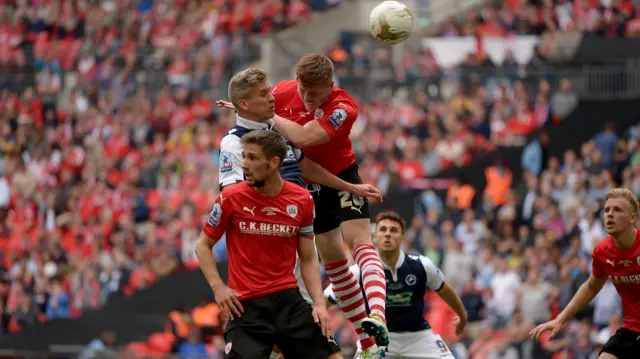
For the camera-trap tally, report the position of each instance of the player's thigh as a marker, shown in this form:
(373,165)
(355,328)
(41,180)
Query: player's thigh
(244,343)
(324,201)
(298,335)
(356,232)
(331,246)
(348,205)
(252,335)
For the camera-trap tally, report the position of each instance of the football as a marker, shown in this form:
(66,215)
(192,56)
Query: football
(391,22)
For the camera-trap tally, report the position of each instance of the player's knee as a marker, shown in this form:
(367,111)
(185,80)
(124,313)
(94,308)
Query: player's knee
(331,246)
(356,232)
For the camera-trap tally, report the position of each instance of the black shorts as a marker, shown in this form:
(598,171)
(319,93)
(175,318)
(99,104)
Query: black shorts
(625,344)
(283,319)
(334,207)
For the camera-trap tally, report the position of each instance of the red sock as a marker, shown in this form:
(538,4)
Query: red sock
(373,278)
(347,291)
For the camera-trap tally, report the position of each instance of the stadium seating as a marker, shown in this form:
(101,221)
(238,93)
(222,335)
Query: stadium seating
(515,17)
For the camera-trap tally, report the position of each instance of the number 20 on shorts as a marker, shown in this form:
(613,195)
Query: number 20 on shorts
(349,200)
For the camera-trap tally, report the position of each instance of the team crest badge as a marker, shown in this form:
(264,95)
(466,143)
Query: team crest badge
(216,214)
(292,210)
(411,280)
(319,113)
(227,348)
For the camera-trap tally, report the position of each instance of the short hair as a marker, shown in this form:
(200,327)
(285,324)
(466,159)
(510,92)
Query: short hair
(314,69)
(272,143)
(626,194)
(242,83)
(392,216)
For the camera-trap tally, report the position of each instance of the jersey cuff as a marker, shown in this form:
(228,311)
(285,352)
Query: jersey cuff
(440,287)
(210,232)
(223,184)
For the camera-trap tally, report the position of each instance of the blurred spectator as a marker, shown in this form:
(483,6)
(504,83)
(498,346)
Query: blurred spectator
(500,18)
(193,346)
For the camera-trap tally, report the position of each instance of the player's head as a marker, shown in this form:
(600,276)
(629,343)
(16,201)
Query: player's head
(620,210)
(250,93)
(262,152)
(389,232)
(314,74)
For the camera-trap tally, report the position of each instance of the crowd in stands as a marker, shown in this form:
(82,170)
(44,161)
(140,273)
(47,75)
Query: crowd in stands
(109,141)
(516,259)
(606,18)
(109,162)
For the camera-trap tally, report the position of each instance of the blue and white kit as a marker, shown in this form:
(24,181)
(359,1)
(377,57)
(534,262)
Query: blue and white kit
(409,333)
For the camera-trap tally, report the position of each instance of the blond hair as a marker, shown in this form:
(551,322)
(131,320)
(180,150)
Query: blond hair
(314,69)
(243,82)
(626,194)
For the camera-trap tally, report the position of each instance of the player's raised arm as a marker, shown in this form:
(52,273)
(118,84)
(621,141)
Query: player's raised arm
(319,174)
(585,294)
(310,134)
(211,233)
(436,282)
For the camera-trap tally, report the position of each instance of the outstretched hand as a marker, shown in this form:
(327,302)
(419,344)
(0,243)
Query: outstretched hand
(225,104)
(367,191)
(555,326)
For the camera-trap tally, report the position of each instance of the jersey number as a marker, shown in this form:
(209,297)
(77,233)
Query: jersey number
(442,346)
(349,200)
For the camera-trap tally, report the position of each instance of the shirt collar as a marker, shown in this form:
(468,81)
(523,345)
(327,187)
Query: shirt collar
(398,263)
(253,125)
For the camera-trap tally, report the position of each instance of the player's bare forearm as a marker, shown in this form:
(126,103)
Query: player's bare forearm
(207,261)
(310,269)
(448,294)
(316,173)
(310,134)
(588,290)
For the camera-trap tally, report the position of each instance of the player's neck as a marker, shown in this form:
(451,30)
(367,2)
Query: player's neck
(272,186)
(626,239)
(251,117)
(390,258)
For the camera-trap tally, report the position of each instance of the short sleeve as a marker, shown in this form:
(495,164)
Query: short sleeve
(230,169)
(338,120)
(596,265)
(308,215)
(218,220)
(435,278)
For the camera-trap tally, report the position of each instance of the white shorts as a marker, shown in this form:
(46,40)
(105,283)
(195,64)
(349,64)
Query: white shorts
(417,345)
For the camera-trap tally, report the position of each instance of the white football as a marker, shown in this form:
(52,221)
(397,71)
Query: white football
(391,22)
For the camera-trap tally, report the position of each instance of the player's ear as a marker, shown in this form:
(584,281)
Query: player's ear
(244,106)
(275,163)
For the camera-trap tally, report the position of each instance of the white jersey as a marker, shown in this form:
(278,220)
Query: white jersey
(410,336)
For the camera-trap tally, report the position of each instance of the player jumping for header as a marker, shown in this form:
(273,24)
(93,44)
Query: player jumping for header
(616,258)
(317,116)
(409,277)
(249,92)
(262,300)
